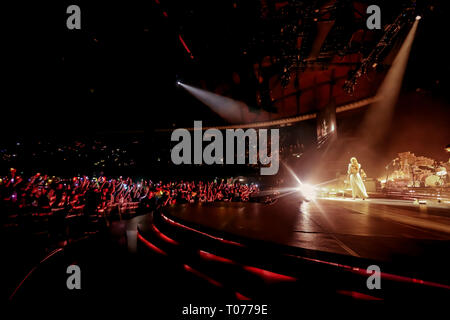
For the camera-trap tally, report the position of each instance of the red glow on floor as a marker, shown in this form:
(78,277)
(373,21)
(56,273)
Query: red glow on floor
(150,245)
(269,275)
(383,275)
(213,257)
(357,295)
(202,275)
(203,233)
(165,14)
(274,276)
(32,270)
(163,236)
(394,277)
(241,296)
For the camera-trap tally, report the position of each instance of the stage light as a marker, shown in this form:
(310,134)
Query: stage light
(308,191)
(418,17)
(178,83)
(231,110)
(378,117)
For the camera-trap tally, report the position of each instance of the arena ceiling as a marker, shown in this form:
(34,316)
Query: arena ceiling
(285,58)
(289,57)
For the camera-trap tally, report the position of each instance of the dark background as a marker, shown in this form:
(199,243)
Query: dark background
(119,70)
(117,74)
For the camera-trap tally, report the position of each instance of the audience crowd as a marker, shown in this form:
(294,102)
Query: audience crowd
(42,193)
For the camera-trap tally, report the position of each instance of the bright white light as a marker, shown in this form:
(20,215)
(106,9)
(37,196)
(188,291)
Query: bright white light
(418,17)
(308,191)
(233,111)
(373,128)
(178,83)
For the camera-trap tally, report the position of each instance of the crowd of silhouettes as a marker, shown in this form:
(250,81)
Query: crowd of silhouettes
(41,194)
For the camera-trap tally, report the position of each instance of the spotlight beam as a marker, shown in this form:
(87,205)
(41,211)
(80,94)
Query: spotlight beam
(231,110)
(378,117)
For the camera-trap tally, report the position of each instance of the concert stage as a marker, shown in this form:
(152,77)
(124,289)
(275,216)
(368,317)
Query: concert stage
(288,254)
(323,246)
(375,228)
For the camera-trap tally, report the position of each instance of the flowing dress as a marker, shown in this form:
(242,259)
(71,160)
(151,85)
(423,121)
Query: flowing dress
(356,182)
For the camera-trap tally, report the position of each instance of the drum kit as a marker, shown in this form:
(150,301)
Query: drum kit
(437,178)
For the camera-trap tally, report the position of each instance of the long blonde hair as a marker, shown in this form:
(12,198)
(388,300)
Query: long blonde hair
(354,163)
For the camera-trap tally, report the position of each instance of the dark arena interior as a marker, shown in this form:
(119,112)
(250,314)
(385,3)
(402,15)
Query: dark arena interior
(225,159)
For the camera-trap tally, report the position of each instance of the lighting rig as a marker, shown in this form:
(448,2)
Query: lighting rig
(376,56)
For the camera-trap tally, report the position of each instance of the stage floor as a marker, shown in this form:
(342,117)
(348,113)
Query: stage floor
(377,229)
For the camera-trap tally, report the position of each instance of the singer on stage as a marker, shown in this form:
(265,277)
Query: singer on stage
(356,182)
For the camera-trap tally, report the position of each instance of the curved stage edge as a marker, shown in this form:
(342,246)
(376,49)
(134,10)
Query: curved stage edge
(245,268)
